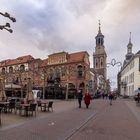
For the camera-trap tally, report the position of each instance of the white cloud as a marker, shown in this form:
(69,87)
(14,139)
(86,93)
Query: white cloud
(48,26)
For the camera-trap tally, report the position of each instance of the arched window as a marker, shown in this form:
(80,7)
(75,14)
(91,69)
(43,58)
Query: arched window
(63,71)
(80,71)
(11,69)
(22,68)
(101,62)
(3,70)
(99,41)
(96,63)
(82,85)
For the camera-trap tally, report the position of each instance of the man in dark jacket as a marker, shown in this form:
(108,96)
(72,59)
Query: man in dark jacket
(80,96)
(110,98)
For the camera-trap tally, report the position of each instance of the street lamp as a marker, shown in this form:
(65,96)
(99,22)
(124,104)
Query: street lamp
(114,63)
(7,25)
(43,77)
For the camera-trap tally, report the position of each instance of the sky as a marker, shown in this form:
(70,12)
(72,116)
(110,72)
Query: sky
(48,26)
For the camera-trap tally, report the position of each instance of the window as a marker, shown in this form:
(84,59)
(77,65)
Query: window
(96,63)
(63,71)
(3,70)
(101,62)
(10,69)
(22,68)
(80,71)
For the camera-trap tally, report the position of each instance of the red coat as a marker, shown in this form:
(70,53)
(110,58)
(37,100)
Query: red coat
(87,99)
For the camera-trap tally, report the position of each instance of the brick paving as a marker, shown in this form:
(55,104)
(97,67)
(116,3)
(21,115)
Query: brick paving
(116,122)
(9,119)
(100,122)
(57,125)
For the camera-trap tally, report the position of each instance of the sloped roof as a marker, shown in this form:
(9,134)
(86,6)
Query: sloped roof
(22,59)
(76,57)
(138,52)
(44,62)
(4,62)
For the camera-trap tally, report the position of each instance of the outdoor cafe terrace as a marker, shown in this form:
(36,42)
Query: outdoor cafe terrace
(12,112)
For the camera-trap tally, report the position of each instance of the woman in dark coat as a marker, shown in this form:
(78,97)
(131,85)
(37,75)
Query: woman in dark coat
(87,99)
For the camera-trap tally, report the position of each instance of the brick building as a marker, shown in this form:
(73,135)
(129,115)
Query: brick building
(58,71)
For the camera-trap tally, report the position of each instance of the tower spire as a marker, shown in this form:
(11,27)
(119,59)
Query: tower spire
(99,32)
(130,38)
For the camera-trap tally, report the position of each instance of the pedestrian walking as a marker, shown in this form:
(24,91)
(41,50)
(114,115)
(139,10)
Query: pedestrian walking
(87,99)
(110,98)
(103,95)
(80,96)
(138,97)
(106,95)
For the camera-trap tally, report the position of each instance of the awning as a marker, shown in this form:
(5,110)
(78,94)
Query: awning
(12,86)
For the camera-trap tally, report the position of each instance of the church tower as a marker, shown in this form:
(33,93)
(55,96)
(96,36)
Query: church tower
(99,55)
(129,54)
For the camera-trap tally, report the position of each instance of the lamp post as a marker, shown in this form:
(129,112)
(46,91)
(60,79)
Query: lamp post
(7,25)
(43,77)
(67,86)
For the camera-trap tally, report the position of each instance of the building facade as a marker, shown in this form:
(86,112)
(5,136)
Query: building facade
(17,71)
(59,71)
(129,75)
(70,71)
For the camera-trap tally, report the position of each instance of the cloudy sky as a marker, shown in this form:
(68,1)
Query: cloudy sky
(48,26)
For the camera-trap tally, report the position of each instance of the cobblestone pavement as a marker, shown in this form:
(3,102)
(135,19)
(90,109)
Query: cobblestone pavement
(100,122)
(117,122)
(10,119)
(58,125)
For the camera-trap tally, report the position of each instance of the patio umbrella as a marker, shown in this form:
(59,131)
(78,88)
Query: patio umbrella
(29,95)
(2,91)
